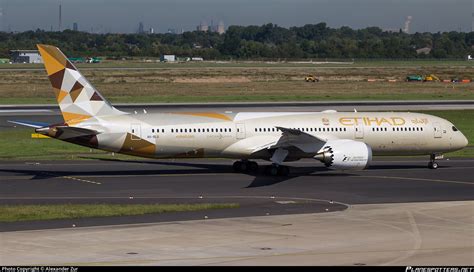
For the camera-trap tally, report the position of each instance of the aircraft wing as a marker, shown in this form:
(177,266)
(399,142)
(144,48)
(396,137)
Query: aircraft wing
(295,138)
(300,139)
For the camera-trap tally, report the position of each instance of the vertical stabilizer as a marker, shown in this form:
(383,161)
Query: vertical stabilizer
(77,98)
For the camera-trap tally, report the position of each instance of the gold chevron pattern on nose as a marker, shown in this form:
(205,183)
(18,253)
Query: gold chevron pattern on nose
(77,98)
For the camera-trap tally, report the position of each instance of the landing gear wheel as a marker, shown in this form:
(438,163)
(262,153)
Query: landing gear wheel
(253,166)
(245,166)
(433,165)
(237,166)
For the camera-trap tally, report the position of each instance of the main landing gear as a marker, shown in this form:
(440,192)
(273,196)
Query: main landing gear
(245,166)
(433,164)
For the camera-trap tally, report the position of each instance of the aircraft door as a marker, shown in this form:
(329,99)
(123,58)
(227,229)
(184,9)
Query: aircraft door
(240,130)
(437,130)
(359,131)
(136,131)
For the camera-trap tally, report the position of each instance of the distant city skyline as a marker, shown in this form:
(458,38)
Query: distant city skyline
(121,16)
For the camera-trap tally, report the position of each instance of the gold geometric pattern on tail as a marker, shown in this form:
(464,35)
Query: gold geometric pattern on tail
(77,98)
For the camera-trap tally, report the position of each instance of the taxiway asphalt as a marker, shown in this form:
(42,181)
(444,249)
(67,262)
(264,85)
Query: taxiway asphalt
(310,188)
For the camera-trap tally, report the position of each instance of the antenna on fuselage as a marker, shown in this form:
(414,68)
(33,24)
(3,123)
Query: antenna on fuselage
(144,111)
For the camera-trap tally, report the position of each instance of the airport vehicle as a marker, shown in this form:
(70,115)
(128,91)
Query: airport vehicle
(311,78)
(414,78)
(431,78)
(340,140)
(469,57)
(93,60)
(455,80)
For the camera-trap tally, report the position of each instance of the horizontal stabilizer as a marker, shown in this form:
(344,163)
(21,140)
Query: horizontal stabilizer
(65,132)
(29,123)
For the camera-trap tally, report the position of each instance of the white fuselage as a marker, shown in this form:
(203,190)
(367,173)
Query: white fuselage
(238,135)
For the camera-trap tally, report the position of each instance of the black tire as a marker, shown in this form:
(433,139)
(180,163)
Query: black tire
(237,166)
(433,165)
(253,166)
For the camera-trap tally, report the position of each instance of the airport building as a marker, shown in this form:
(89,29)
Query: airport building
(25,56)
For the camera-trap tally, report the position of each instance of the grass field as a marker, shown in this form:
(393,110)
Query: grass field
(16,144)
(14,213)
(257,81)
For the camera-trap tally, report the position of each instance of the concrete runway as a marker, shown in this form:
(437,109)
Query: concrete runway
(309,189)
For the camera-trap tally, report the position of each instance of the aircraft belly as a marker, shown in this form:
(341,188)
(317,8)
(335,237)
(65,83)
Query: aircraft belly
(399,145)
(182,146)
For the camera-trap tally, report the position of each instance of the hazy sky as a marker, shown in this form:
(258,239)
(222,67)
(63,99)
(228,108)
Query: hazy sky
(123,15)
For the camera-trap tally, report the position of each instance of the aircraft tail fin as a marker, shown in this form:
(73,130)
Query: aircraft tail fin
(77,98)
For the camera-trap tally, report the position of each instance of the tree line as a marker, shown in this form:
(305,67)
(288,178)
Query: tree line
(268,41)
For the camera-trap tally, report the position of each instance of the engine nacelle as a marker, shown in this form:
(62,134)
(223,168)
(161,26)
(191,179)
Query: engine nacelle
(345,154)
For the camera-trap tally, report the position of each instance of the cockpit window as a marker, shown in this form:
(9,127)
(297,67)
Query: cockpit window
(454,128)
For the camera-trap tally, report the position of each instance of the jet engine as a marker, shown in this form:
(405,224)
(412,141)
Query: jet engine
(345,154)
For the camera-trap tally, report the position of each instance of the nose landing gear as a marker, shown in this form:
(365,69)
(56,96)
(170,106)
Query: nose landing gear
(433,164)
